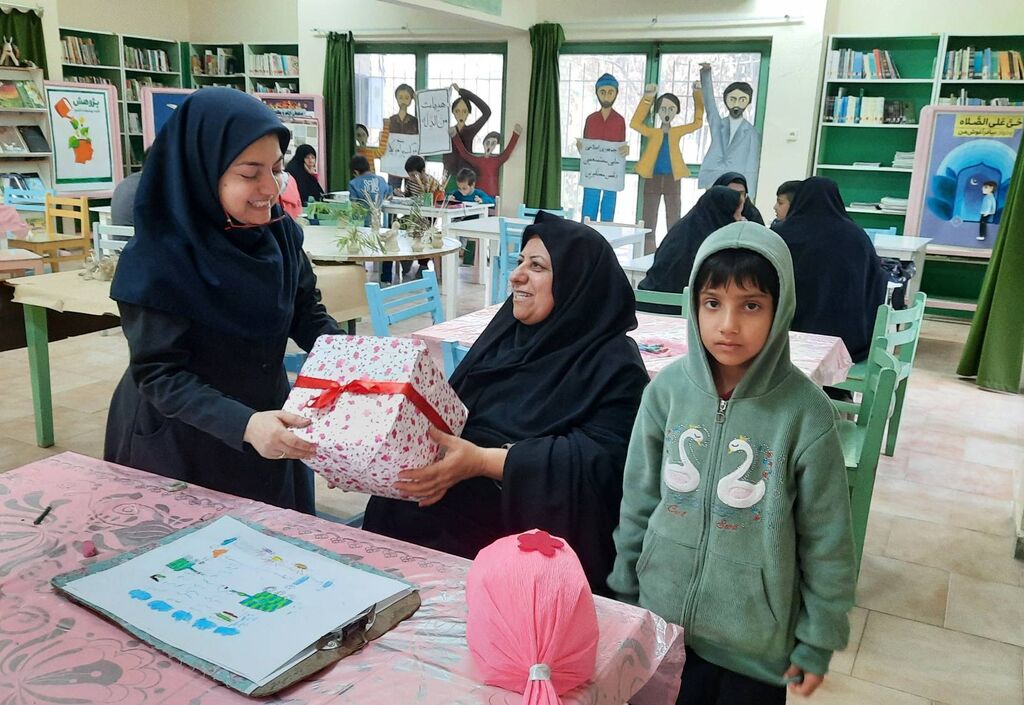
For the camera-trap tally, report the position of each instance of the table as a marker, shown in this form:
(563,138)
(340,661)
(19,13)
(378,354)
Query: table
(52,650)
(17,260)
(321,246)
(487,232)
(823,358)
(462,210)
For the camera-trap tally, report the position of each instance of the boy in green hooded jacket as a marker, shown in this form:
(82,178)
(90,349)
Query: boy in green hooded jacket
(735,515)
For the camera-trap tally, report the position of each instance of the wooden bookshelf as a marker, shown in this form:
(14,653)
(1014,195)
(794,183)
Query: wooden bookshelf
(216,64)
(269,69)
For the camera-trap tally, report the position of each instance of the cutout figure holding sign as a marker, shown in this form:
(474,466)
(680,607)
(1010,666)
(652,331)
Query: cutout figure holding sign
(735,143)
(462,108)
(402,123)
(661,165)
(606,125)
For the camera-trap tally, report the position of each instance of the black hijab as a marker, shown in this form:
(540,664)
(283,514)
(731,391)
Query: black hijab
(750,211)
(308,184)
(839,280)
(674,257)
(512,374)
(182,260)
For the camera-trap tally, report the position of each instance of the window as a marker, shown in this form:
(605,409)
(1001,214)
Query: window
(677,67)
(381,68)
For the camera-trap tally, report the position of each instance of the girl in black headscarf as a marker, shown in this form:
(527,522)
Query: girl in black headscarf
(839,281)
(552,386)
(736,180)
(302,168)
(673,260)
(209,291)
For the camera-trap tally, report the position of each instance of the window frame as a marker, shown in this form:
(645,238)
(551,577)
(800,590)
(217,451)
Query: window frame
(422,49)
(653,51)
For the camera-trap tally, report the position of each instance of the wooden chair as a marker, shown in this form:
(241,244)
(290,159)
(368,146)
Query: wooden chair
(398,303)
(901,332)
(862,439)
(510,241)
(70,210)
(453,353)
(664,298)
(524,212)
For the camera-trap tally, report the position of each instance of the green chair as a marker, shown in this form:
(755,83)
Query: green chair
(664,298)
(901,331)
(862,439)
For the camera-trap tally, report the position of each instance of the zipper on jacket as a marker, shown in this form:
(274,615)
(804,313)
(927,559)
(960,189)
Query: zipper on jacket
(690,601)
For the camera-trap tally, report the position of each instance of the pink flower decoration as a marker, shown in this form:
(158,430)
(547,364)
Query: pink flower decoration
(540,541)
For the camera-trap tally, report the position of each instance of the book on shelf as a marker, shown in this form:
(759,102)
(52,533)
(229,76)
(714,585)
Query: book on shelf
(892,203)
(143,59)
(275,87)
(34,138)
(275,64)
(11,141)
(903,160)
(134,124)
(24,180)
(88,79)
(133,86)
(962,98)
(20,94)
(851,64)
(971,64)
(80,50)
(846,109)
(871,164)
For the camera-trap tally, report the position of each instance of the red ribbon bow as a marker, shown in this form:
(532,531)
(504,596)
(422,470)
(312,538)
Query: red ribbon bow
(333,389)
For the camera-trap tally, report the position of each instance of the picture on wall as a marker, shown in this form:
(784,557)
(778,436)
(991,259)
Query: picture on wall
(303,115)
(966,155)
(158,104)
(83,134)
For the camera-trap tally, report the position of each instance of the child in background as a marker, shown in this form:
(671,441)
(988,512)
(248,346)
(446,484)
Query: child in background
(783,200)
(735,516)
(420,182)
(371,153)
(365,186)
(466,190)
(988,207)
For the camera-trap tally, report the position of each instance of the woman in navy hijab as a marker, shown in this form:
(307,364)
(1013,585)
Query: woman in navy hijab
(210,289)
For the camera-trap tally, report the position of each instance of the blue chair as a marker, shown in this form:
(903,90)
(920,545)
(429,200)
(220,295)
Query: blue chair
(524,212)
(398,303)
(25,199)
(510,241)
(880,231)
(453,353)
(293,362)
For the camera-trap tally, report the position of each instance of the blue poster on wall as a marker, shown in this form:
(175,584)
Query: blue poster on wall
(963,176)
(163,105)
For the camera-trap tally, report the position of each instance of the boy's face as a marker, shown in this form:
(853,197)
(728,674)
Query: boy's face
(987,189)
(667,111)
(734,323)
(490,144)
(403,98)
(781,206)
(466,188)
(361,137)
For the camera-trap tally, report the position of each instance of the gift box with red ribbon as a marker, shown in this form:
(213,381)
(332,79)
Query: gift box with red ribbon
(372,402)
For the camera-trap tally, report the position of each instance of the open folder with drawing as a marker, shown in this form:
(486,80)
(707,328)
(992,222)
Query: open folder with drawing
(255,610)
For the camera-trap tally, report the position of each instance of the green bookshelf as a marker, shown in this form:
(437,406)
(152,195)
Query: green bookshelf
(952,282)
(216,64)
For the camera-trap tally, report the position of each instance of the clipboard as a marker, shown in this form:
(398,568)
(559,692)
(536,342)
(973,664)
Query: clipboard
(330,648)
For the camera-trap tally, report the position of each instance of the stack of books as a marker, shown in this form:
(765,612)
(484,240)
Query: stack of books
(872,110)
(962,98)
(847,63)
(80,50)
(983,64)
(146,59)
(903,160)
(275,65)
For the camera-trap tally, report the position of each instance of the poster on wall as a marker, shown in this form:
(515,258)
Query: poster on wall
(962,167)
(432,114)
(84,131)
(303,115)
(158,104)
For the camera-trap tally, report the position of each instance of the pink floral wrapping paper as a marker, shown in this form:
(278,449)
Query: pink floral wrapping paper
(823,358)
(55,652)
(365,440)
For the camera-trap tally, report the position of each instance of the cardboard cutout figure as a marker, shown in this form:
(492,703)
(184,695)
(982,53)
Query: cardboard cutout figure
(735,143)
(462,108)
(661,165)
(607,125)
(402,122)
(488,164)
(371,153)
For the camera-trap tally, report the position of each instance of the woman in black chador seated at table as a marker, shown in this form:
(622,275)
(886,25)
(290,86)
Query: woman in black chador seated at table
(552,386)
(209,290)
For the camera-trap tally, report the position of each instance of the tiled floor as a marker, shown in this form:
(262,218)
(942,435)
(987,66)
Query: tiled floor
(940,615)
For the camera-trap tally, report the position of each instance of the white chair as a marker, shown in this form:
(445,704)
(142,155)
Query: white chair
(107,239)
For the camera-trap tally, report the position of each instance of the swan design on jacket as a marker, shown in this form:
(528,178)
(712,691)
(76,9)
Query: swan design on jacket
(684,477)
(735,491)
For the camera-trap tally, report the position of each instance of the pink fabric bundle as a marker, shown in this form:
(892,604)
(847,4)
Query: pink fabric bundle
(531,627)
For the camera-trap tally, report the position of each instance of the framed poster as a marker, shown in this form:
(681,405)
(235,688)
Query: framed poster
(303,115)
(85,136)
(157,105)
(962,167)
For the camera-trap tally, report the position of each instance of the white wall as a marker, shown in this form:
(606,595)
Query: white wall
(161,19)
(886,17)
(268,21)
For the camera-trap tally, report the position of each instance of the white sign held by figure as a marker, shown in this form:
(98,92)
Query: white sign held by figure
(432,114)
(400,148)
(601,165)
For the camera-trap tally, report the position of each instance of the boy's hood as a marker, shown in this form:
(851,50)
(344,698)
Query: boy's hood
(773,363)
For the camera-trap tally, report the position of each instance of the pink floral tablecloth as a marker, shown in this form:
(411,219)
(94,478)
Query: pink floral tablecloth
(53,651)
(823,358)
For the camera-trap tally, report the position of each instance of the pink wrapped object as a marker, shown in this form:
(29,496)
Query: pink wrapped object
(372,402)
(531,624)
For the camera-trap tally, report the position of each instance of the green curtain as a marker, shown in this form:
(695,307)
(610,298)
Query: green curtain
(995,345)
(543,123)
(339,107)
(27,29)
